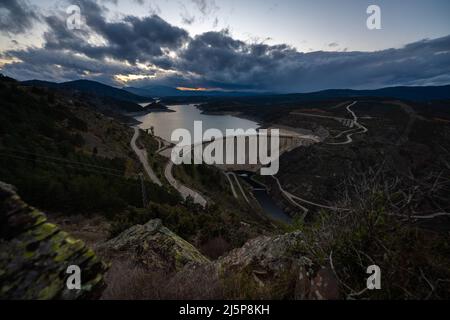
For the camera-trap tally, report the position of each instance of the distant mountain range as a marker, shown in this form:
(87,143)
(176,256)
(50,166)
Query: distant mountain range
(106,99)
(406,93)
(144,94)
(91,87)
(166,91)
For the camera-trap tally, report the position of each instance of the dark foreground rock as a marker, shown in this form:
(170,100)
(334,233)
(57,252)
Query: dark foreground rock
(275,267)
(149,262)
(35,255)
(264,268)
(152,246)
(278,268)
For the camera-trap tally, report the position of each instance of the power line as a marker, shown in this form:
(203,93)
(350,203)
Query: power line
(62,159)
(90,170)
(68,163)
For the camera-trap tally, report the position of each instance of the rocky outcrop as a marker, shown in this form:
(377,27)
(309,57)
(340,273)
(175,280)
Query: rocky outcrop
(154,247)
(274,267)
(35,255)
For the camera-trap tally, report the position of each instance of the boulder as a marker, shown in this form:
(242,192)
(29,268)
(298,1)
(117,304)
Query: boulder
(35,255)
(268,267)
(154,247)
(276,267)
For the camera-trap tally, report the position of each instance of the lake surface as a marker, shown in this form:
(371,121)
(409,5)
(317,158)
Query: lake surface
(183,117)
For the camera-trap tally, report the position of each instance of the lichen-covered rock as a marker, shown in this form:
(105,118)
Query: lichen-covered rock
(268,267)
(153,246)
(278,268)
(35,255)
(264,268)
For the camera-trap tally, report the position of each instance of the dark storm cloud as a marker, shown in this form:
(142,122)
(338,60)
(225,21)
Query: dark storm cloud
(59,65)
(216,59)
(16,16)
(220,58)
(131,39)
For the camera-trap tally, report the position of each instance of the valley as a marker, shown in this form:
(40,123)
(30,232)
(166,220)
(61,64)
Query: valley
(350,172)
(204,155)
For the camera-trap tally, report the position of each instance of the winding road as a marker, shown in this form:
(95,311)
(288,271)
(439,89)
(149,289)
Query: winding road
(360,128)
(184,191)
(292,199)
(143,158)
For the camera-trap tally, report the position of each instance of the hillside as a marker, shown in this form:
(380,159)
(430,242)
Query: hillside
(105,99)
(91,87)
(34,255)
(410,139)
(414,94)
(425,93)
(380,180)
(66,157)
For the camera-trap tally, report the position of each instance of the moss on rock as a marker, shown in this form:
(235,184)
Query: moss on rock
(35,254)
(154,246)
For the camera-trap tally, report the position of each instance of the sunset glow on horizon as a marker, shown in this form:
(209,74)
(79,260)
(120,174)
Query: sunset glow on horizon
(197,89)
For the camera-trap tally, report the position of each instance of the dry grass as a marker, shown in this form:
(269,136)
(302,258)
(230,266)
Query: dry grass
(128,282)
(379,230)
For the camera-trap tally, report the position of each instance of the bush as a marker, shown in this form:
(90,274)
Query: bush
(415,262)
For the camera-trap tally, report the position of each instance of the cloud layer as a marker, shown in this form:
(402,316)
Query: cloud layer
(147,50)
(16,16)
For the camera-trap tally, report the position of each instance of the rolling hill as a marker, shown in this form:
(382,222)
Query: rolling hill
(104,98)
(166,91)
(90,87)
(406,93)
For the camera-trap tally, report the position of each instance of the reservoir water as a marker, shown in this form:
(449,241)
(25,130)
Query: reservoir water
(266,202)
(183,116)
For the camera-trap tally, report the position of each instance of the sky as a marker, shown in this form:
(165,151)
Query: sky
(274,45)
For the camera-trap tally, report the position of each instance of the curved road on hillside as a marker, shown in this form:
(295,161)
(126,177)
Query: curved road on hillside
(165,150)
(143,158)
(293,197)
(184,191)
(361,129)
